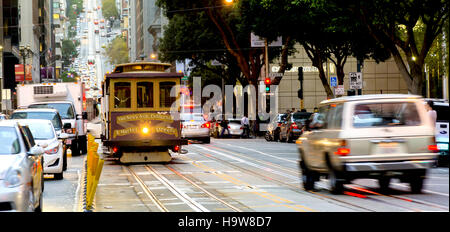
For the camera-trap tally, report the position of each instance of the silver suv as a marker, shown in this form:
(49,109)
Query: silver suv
(371,136)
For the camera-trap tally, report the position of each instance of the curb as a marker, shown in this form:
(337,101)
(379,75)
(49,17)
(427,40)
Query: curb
(84,189)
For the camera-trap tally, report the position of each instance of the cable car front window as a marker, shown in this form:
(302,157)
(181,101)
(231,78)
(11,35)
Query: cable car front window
(145,95)
(122,95)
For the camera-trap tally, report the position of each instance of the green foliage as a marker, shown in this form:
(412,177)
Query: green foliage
(406,29)
(72,13)
(72,78)
(69,51)
(117,51)
(109,9)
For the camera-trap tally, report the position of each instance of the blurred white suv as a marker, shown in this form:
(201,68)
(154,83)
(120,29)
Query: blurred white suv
(371,136)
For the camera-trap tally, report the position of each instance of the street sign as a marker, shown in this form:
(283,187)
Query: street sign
(339,90)
(258,42)
(273,75)
(356,81)
(333,82)
(185,78)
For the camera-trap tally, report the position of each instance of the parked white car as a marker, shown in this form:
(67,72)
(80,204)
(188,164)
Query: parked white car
(21,169)
(44,135)
(371,136)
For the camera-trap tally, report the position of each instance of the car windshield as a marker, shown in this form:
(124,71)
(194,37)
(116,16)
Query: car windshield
(41,131)
(386,114)
(301,116)
(442,112)
(9,142)
(56,121)
(191,117)
(64,109)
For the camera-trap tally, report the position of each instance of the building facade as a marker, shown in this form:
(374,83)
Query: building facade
(146,21)
(382,78)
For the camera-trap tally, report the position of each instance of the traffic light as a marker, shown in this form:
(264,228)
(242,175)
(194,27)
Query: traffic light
(300,73)
(300,78)
(267,82)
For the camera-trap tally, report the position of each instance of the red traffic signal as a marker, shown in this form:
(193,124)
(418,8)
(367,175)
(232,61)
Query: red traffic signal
(267,81)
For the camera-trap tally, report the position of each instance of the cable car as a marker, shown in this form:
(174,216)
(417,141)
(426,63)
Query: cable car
(141,106)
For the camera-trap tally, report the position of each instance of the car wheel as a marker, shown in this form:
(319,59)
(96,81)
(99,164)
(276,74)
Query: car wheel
(207,140)
(416,181)
(82,144)
(65,160)
(58,176)
(74,147)
(276,136)
(383,183)
(267,137)
(289,138)
(308,177)
(335,183)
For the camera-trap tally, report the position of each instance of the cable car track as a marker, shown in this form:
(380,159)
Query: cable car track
(367,193)
(176,191)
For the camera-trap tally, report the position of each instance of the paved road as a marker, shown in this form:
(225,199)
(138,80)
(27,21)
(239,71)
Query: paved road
(250,175)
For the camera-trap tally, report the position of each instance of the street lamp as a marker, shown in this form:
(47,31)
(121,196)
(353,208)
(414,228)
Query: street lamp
(25,51)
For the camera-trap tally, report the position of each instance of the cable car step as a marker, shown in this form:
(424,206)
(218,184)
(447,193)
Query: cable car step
(146,157)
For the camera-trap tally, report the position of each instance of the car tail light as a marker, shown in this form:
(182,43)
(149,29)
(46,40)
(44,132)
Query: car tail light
(294,126)
(206,125)
(242,128)
(229,127)
(176,148)
(433,147)
(279,124)
(115,149)
(342,150)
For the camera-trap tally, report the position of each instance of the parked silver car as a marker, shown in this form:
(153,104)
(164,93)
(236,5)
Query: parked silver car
(195,127)
(21,169)
(371,136)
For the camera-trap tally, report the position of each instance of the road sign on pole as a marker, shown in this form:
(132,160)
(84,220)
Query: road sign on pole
(333,82)
(356,81)
(339,90)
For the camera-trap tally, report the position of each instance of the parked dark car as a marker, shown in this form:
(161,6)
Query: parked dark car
(291,128)
(273,128)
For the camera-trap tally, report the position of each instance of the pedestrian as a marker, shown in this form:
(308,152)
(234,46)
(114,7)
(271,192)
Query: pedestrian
(246,127)
(224,125)
(431,112)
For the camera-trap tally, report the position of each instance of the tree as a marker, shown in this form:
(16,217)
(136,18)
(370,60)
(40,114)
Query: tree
(109,9)
(68,51)
(325,30)
(117,51)
(407,29)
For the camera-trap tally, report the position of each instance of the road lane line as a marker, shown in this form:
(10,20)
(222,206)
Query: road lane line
(249,163)
(261,192)
(203,189)
(262,153)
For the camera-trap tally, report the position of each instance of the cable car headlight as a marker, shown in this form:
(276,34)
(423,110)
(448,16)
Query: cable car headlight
(145,130)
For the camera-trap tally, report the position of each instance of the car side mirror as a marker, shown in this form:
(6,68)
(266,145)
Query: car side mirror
(35,151)
(64,136)
(67,126)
